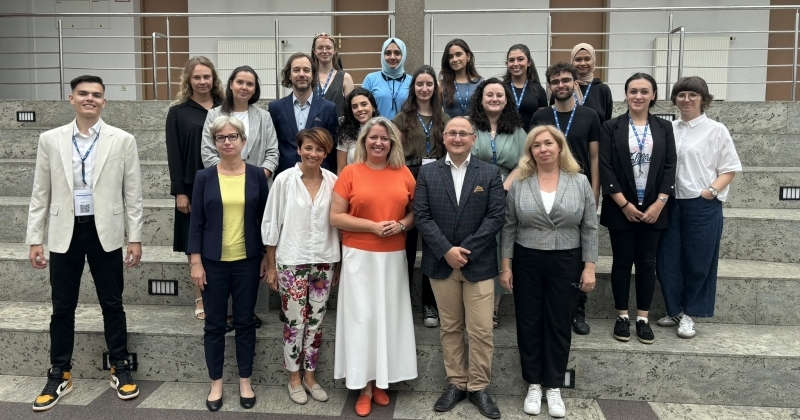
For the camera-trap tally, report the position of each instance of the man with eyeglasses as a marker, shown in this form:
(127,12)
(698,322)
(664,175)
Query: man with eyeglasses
(581,127)
(459,208)
(88,184)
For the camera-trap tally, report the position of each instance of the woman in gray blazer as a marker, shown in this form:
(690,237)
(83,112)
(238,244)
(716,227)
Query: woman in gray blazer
(551,231)
(241,94)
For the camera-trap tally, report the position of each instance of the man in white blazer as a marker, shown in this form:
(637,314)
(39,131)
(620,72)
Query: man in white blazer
(87,183)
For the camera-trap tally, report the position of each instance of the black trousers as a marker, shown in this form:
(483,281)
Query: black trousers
(65,282)
(545,298)
(428,299)
(239,280)
(634,246)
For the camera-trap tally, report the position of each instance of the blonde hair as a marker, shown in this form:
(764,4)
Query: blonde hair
(527,164)
(185,91)
(220,122)
(396,157)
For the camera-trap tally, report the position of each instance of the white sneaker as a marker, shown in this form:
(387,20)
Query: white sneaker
(533,401)
(555,405)
(430,317)
(686,327)
(669,321)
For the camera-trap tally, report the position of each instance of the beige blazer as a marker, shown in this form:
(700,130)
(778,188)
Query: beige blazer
(117,189)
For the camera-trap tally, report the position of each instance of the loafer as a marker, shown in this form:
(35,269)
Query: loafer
(247,403)
(379,396)
(451,396)
(316,391)
(485,405)
(363,405)
(298,394)
(214,405)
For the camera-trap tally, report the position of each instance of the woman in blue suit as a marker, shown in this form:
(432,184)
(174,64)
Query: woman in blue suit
(227,257)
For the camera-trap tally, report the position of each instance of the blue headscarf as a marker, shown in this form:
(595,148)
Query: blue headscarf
(387,71)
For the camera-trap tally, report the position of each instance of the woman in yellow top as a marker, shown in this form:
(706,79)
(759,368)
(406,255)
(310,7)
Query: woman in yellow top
(227,257)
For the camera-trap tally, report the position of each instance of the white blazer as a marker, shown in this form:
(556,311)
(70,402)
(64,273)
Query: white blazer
(117,189)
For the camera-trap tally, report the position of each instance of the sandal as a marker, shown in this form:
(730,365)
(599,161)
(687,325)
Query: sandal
(495,319)
(199,313)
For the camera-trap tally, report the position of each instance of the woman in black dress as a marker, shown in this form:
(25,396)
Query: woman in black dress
(200,90)
(334,83)
(522,78)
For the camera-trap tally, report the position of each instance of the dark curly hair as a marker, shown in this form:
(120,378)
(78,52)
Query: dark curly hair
(411,107)
(509,119)
(349,127)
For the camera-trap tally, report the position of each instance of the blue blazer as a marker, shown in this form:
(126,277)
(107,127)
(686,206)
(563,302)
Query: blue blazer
(322,114)
(473,223)
(205,224)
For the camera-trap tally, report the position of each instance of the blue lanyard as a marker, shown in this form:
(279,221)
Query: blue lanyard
(394,95)
(494,149)
(569,124)
(639,141)
(465,102)
(585,95)
(86,155)
(321,90)
(427,131)
(514,91)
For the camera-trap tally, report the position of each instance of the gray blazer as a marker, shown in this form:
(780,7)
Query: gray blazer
(261,145)
(571,223)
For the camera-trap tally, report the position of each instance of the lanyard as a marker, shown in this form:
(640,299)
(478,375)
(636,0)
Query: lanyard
(585,95)
(639,141)
(427,131)
(321,90)
(394,95)
(83,158)
(569,124)
(514,91)
(465,102)
(494,149)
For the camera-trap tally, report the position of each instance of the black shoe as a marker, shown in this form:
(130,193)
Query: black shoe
(622,329)
(644,332)
(579,324)
(486,406)
(451,396)
(257,320)
(214,405)
(247,403)
(282,317)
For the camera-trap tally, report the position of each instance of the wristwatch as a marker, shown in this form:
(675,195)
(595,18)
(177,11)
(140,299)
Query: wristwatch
(713,190)
(664,199)
(403,227)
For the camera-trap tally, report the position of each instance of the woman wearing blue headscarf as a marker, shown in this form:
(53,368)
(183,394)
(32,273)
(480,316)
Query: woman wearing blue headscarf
(390,85)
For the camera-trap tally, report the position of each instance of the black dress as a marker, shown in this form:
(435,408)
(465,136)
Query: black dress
(533,97)
(334,91)
(184,136)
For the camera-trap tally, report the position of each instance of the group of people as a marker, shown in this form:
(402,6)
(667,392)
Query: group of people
(502,188)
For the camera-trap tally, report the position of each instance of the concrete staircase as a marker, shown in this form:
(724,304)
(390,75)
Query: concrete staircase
(749,354)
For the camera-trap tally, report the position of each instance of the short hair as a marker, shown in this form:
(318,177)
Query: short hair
(396,157)
(227,102)
(692,84)
(527,164)
(558,68)
(463,117)
(318,135)
(649,78)
(220,122)
(286,73)
(86,79)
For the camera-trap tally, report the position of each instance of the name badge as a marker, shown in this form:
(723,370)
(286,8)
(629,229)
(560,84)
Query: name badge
(84,202)
(427,161)
(640,196)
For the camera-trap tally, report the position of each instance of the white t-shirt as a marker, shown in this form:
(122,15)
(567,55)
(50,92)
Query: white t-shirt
(245,119)
(547,199)
(640,159)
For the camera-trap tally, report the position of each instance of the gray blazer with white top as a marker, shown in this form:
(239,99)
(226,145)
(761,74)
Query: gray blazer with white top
(262,143)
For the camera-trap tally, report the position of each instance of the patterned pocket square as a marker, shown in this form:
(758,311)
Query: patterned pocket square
(478,189)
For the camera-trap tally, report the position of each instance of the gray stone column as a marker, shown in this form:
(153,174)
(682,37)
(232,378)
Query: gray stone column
(410,27)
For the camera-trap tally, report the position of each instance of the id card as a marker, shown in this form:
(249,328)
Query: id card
(84,202)
(426,161)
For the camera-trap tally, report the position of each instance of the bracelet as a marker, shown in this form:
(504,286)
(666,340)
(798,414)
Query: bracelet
(507,269)
(195,263)
(625,205)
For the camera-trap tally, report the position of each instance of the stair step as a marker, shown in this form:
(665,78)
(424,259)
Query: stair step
(24,141)
(759,187)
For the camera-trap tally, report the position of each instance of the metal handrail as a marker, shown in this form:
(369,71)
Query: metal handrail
(609,9)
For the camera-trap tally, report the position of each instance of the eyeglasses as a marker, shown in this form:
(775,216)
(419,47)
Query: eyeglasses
(324,48)
(682,96)
(230,137)
(566,81)
(454,134)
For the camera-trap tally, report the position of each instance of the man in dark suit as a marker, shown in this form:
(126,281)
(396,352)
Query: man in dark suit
(304,108)
(459,207)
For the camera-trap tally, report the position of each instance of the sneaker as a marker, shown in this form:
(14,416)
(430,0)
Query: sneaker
(122,381)
(644,332)
(555,405)
(579,324)
(622,329)
(533,401)
(495,319)
(669,321)
(430,317)
(686,327)
(59,383)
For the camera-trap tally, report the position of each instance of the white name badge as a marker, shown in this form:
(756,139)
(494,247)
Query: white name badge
(427,161)
(84,202)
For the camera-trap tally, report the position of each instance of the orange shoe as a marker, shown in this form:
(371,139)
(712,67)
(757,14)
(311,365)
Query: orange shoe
(363,405)
(379,396)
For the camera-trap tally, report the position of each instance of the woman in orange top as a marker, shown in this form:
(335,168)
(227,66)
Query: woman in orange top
(371,206)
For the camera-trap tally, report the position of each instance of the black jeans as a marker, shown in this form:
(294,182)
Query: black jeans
(634,246)
(65,282)
(428,299)
(239,280)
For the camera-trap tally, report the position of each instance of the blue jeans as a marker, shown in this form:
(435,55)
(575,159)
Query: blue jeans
(688,255)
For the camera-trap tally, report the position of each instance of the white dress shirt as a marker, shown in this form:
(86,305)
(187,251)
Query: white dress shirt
(459,172)
(84,143)
(244,117)
(301,112)
(705,151)
(299,226)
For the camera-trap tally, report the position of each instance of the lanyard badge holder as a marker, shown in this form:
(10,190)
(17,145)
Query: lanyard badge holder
(83,198)
(569,123)
(585,95)
(640,157)
(426,160)
(321,90)
(518,99)
(463,103)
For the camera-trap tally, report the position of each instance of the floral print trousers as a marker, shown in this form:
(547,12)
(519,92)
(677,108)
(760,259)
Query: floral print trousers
(304,291)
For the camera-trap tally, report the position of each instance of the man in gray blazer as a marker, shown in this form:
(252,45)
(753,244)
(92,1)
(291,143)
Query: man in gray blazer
(459,208)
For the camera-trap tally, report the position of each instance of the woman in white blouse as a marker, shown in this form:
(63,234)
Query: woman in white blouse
(302,257)
(688,251)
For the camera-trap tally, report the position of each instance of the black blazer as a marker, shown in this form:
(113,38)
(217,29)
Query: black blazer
(322,114)
(205,225)
(616,171)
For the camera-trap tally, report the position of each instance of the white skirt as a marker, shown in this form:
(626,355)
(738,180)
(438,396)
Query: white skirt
(374,323)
